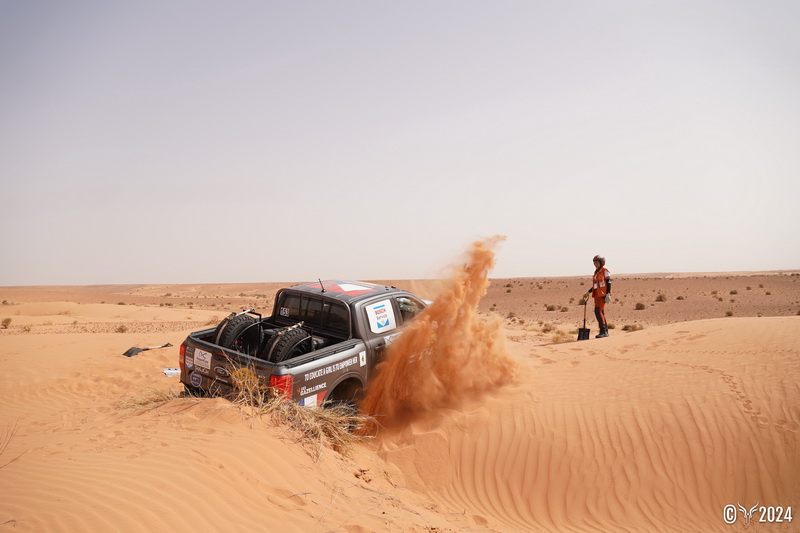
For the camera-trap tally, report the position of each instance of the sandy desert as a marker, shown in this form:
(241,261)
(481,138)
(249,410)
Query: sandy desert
(691,405)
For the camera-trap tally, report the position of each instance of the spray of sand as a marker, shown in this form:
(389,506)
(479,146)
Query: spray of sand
(448,355)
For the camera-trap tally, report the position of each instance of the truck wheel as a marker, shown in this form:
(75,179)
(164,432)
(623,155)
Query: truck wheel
(242,333)
(291,344)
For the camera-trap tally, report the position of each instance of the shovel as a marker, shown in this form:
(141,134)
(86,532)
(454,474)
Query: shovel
(583,333)
(130,352)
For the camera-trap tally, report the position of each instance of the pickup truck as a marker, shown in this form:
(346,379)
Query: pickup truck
(320,345)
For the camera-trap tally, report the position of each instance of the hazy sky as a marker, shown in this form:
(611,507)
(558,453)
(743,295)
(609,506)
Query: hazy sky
(190,141)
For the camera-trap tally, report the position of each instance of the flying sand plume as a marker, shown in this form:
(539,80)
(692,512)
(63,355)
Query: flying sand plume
(447,355)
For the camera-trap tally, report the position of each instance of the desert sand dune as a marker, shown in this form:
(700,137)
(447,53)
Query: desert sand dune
(655,430)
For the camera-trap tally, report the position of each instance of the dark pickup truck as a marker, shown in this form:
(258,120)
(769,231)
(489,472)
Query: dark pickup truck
(320,345)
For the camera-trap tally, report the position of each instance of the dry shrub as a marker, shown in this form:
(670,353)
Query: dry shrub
(6,322)
(333,426)
(632,327)
(561,336)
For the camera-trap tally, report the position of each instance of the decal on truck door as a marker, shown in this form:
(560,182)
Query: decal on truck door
(381,316)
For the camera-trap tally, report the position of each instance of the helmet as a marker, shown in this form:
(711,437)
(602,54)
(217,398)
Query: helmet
(600,259)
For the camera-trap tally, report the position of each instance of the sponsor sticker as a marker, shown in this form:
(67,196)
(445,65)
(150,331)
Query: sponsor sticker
(202,359)
(381,316)
(244,376)
(196,379)
(362,358)
(284,311)
(315,400)
(189,362)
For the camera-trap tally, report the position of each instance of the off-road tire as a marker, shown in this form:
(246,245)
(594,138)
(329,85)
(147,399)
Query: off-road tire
(290,344)
(221,327)
(242,334)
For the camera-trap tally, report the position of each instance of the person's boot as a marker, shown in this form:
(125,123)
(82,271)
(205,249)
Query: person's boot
(603,332)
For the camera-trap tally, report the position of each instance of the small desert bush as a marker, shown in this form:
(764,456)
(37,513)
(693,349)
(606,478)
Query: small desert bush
(547,328)
(561,336)
(122,328)
(212,321)
(551,307)
(336,427)
(680,298)
(612,326)
(640,306)
(632,327)
(734,291)
(6,322)
(728,313)
(661,297)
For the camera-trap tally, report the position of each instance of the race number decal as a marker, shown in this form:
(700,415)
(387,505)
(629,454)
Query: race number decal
(381,316)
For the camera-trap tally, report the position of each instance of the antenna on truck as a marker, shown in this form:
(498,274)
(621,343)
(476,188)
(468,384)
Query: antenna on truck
(321,285)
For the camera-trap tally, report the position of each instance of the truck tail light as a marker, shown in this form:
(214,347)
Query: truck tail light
(182,358)
(282,384)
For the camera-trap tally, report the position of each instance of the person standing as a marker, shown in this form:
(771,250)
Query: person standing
(601,292)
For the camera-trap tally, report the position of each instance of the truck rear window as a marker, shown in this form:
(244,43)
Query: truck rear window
(316,312)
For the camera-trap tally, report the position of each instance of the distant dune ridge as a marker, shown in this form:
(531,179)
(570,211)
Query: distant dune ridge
(652,430)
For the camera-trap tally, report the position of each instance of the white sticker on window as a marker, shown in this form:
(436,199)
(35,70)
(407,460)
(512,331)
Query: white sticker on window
(381,316)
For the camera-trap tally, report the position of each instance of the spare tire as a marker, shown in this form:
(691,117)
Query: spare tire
(221,327)
(291,344)
(242,333)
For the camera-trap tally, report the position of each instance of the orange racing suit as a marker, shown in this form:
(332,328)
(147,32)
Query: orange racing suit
(601,286)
